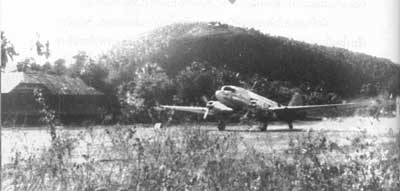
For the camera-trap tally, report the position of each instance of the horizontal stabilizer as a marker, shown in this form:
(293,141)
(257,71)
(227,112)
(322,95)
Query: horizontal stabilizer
(315,107)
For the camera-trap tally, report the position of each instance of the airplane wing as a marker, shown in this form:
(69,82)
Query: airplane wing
(313,107)
(201,110)
(193,109)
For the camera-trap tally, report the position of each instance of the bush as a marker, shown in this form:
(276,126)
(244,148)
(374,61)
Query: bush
(193,159)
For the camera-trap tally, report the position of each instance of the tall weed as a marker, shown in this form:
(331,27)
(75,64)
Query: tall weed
(192,159)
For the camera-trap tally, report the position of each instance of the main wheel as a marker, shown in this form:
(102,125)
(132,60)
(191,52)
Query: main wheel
(290,125)
(264,127)
(221,126)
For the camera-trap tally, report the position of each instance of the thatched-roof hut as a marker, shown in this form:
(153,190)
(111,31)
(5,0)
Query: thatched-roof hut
(70,98)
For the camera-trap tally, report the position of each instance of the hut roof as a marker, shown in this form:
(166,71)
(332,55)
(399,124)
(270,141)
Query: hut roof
(59,85)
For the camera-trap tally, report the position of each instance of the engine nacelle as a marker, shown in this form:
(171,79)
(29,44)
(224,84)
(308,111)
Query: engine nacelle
(216,107)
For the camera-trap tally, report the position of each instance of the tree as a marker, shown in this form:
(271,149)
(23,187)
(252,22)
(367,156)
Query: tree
(25,65)
(7,50)
(197,80)
(59,67)
(46,68)
(95,75)
(152,87)
(43,50)
(35,67)
(81,59)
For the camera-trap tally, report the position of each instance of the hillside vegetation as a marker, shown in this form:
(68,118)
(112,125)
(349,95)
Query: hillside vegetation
(250,52)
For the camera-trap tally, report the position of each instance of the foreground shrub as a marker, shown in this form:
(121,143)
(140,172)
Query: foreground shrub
(194,159)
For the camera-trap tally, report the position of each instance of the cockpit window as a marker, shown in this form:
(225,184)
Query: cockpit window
(227,88)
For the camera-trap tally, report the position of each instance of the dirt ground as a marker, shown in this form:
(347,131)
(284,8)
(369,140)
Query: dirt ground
(30,140)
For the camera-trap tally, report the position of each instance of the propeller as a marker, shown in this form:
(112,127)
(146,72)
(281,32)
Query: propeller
(206,113)
(209,106)
(204,98)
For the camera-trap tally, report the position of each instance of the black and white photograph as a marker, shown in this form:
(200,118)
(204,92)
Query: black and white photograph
(181,95)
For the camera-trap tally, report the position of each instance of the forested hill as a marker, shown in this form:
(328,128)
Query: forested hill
(249,52)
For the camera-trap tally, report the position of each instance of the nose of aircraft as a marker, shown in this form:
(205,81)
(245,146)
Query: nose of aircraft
(218,94)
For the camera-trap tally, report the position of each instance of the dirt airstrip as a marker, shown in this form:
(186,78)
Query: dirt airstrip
(28,141)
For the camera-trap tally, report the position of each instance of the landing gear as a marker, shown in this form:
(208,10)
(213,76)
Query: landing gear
(221,126)
(264,126)
(290,125)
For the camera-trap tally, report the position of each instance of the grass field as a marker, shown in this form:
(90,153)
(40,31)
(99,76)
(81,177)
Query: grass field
(346,154)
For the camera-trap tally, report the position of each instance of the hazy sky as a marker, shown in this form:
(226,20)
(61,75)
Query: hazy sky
(368,26)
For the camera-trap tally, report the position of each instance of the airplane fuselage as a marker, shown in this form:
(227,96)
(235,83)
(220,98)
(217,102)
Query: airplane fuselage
(239,98)
(234,101)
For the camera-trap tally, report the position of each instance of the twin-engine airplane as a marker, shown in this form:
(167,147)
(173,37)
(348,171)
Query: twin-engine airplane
(236,100)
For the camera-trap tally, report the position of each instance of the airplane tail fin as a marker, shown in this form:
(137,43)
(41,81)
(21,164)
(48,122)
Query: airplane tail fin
(296,100)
